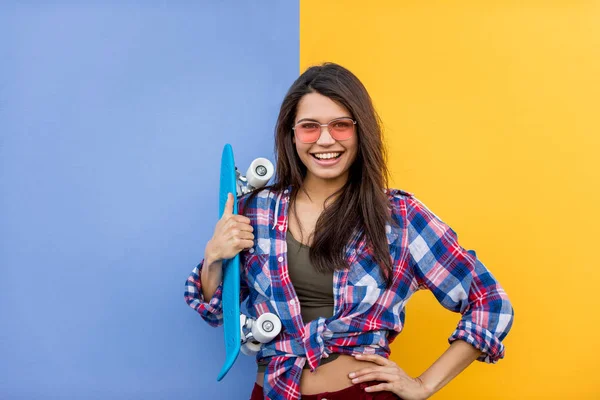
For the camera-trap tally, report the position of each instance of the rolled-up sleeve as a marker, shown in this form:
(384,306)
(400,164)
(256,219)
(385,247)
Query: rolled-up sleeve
(459,281)
(211,310)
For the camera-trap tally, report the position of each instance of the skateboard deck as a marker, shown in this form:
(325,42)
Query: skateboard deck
(231,269)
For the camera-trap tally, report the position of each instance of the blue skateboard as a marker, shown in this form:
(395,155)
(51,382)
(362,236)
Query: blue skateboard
(240,331)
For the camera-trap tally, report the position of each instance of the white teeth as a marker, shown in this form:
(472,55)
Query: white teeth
(326,156)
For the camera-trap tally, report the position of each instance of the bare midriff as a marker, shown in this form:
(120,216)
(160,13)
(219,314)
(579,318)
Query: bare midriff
(330,377)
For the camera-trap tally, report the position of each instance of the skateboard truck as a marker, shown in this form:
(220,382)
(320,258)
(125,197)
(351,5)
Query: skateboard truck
(254,332)
(258,174)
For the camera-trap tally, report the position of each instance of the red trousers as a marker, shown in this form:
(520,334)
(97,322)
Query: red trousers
(354,392)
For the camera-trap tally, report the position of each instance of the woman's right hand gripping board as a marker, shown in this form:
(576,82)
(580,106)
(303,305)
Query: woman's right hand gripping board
(233,233)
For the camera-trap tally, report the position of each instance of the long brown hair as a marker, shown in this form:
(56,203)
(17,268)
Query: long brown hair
(362,206)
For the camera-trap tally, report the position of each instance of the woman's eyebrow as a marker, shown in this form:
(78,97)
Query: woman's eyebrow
(307,119)
(315,120)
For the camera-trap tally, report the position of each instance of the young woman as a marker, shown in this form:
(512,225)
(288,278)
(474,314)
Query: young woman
(336,256)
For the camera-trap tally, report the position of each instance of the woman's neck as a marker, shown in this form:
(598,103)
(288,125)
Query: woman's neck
(318,190)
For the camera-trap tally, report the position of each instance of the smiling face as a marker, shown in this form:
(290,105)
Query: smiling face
(327,159)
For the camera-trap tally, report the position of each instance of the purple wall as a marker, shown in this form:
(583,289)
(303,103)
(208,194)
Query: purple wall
(112,121)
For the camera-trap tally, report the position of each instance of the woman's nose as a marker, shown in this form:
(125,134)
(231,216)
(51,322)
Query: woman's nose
(325,138)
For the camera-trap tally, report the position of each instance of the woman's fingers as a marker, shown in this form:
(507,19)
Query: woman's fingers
(228,217)
(382,376)
(241,218)
(239,233)
(233,232)
(392,378)
(374,358)
(246,244)
(371,370)
(228,210)
(245,235)
(233,222)
(244,227)
(380,387)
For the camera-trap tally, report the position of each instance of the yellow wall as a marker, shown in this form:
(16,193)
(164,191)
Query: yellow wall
(492,114)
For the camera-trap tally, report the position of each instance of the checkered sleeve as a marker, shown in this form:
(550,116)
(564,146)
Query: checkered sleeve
(212,310)
(459,281)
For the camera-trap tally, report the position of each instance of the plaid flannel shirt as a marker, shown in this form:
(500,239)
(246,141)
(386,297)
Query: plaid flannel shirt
(367,315)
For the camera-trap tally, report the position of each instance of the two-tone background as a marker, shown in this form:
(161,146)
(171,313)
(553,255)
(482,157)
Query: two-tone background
(112,120)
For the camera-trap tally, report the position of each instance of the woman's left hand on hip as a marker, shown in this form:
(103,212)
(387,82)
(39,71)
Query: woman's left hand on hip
(392,378)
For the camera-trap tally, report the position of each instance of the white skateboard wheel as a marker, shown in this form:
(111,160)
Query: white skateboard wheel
(250,348)
(243,319)
(259,172)
(266,327)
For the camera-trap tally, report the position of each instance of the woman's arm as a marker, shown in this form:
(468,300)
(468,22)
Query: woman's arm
(459,281)
(212,272)
(455,359)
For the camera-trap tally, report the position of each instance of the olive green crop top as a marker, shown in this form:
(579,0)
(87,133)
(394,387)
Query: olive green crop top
(314,289)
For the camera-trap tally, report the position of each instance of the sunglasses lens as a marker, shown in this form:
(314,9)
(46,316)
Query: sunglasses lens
(308,132)
(341,129)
